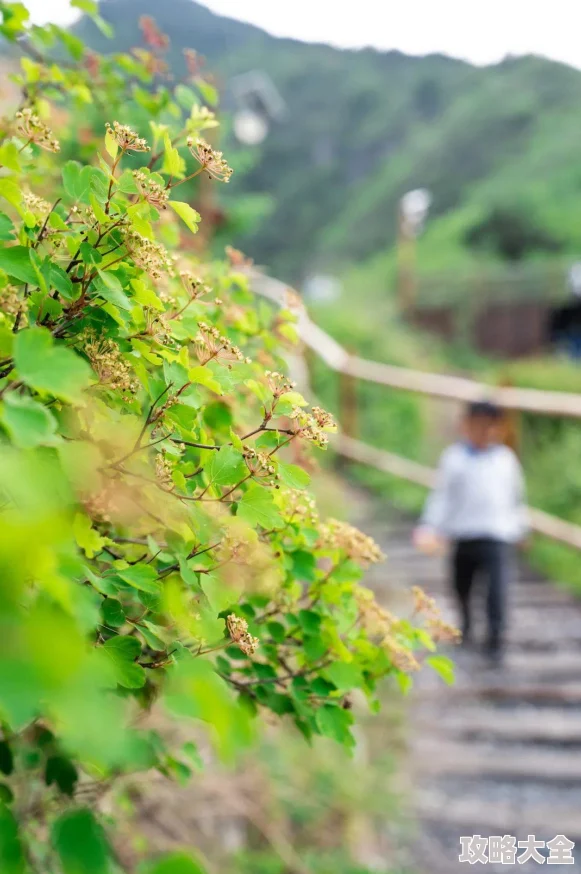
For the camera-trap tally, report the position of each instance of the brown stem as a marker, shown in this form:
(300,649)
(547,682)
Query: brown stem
(187,179)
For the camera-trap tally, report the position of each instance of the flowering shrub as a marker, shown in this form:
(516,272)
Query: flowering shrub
(157,547)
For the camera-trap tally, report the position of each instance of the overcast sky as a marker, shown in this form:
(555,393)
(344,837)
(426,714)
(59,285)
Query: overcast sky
(481,31)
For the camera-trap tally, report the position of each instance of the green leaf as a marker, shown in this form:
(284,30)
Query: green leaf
(10,191)
(109,287)
(29,423)
(77,180)
(187,214)
(258,508)
(404,682)
(45,366)
(11,852)
(112,612)
(227,467)
(289,400)
(195,690)
(304,565)
(176,863)
(6,794)
(345,675)
(6,758)
(15,260)
(219,595)
(293,476)
(111,146)
(443,666)
(208,92)
(91,7)
(61,771)
(139,214)
(89,540)
(6,227)
(9,156)
(203,376)
(141,576)
(310,621)
(152,639)
(99,184)
(172,163)
(185,96)
(80,843)
(259,389)
(89,254)
(123,651)
(277,631)
(100,213)
(334,722)
(74,45)
(60,279)
(236,441)
(146,296)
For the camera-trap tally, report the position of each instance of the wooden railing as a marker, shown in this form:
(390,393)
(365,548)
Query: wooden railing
(549,403)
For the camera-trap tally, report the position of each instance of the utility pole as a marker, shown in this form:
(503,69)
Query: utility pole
(412,211)
(406,273)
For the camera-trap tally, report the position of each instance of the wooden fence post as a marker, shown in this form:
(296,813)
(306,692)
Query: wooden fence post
(347,410)
(512,424)
(348,404)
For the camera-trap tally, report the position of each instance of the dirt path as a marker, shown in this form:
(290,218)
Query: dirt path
(498,753)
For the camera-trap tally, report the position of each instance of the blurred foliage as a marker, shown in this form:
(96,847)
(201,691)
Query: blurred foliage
(157,545)
(363,127)
(510,235)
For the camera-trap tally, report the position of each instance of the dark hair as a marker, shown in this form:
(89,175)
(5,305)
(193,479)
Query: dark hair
(483,409)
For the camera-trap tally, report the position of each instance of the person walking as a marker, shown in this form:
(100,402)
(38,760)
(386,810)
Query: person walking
(478,505)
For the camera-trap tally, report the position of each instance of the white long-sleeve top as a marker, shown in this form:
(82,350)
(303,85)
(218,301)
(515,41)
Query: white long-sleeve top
(478,494)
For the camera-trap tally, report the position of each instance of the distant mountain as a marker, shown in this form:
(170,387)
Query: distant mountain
(362,127)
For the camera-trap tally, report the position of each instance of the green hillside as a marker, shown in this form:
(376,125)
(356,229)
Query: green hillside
(496,146)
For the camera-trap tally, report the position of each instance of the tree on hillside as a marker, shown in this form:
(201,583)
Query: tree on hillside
(511,235)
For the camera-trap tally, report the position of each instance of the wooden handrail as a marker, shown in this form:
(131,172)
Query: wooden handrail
(542,523)
(547,403)
(436,385)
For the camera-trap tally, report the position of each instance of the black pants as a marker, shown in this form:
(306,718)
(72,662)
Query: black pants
(491,559)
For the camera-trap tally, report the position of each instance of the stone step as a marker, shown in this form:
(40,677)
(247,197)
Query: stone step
(473,815)
(568,694)
(436,757)
(561,664)
(526,725)
(523,594)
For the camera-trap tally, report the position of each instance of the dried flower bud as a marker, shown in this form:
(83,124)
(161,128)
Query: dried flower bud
(151,191)
(150,256)
(107,360)
(126,138)
(30,127)
(238,630)
(163,470)
(278,383)
(211,160)
(238,259)
(354,543)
